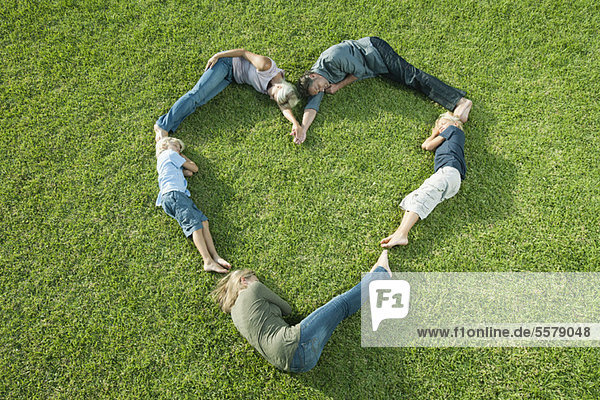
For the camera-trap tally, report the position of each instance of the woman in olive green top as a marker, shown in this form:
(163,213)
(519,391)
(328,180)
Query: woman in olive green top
(257,313)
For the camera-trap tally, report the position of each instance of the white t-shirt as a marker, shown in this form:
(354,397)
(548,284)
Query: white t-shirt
(245,72)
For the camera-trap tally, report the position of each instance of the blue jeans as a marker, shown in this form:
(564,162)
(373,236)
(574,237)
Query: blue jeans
(399,70)
(211,83)
(179,206)
(316,329)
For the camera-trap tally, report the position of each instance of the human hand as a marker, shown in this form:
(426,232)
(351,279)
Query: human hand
(299,134)
(334,87)
(212,61)
(295,129)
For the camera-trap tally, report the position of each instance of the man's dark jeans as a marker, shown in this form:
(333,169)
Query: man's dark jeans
(406,74)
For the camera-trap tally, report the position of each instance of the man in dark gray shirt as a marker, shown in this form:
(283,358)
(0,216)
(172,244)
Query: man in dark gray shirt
(352,60)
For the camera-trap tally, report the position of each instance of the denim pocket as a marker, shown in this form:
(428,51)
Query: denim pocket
(298,360)
(306,356)
(311,354)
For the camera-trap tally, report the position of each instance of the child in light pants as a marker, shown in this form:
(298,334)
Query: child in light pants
(448,141)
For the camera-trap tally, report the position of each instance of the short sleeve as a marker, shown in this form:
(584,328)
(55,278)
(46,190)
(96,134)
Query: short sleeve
(352,66)
(271,72)
(314,101)
(175,158)
(448,132)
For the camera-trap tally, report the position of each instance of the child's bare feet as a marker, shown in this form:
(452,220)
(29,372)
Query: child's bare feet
(213,266)
(222,262)
(159,133)
(462,109)
(394,240)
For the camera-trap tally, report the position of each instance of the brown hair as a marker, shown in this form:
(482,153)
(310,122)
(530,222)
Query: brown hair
(304,83)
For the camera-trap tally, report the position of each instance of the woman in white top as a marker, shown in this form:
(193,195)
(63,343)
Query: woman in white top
(242,66)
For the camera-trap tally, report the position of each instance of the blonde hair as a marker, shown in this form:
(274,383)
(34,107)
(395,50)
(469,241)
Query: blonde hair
(449,116)
(164,143)
(229,287)
(287,96)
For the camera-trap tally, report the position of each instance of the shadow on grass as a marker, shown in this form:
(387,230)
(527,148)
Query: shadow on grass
(486,196)
(364,100)
(235,109)
(347,370)
(211,194)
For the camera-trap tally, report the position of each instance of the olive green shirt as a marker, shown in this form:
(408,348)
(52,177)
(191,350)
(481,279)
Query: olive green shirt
(257,314)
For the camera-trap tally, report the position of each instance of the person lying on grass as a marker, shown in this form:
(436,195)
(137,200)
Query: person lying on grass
(174,197)
(353,60)
(257,313)
(448,141)
(221,69)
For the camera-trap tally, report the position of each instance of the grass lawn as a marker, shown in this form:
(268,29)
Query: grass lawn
(102,297)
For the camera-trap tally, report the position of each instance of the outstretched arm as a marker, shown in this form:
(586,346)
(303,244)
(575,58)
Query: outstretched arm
(261,63)
(297,130)
(310,112)
(307,120)
(334,87)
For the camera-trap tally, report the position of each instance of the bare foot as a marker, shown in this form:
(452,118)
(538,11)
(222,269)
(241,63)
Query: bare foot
(159,133)
(222,262)
(383,261)
(462,109)
(212,266)
(394,240)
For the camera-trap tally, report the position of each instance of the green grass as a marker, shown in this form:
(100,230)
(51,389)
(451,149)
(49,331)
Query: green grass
(100,294)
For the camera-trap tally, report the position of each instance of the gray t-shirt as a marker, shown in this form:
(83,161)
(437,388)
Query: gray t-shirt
(351,57)
(257,314)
